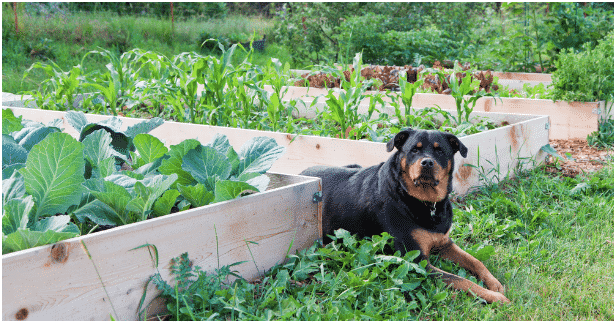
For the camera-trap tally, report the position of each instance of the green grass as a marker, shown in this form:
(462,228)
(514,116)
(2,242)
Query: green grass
(553,252)
(66,39)
(557,263)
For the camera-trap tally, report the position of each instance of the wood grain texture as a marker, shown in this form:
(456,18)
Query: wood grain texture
(278,220)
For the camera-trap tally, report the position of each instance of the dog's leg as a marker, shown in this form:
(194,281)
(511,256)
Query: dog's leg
(465,285)
(455,254)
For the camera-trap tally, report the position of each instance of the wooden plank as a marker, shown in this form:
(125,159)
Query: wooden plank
(305,151)
(568,119)
(498,153)
(44,286)
(535,77)
(518,84)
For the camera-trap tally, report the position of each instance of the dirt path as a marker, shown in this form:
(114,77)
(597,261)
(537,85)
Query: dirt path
(584,157)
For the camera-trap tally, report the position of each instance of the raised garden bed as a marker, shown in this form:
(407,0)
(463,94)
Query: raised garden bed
(105,273)
(567,119)
(504,147)
(65,281)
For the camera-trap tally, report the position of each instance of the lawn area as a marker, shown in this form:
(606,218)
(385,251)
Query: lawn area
(548,238)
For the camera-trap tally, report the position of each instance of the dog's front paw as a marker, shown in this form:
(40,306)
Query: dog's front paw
(494,285)
(497,297)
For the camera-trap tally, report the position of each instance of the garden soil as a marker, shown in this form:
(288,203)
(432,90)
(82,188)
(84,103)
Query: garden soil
(584,158)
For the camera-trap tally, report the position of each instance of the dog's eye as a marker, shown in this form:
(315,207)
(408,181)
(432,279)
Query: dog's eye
(414,150)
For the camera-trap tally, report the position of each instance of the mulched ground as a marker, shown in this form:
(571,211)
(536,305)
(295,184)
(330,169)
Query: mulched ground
(584,158)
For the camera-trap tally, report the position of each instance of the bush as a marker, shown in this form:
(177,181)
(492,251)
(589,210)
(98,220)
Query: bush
(587,75)
(311,31)
(573,25)
(428,45)
(375,36)
(364,34)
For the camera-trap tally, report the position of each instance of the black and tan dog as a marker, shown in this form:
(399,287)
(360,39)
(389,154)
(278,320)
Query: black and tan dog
(406,196)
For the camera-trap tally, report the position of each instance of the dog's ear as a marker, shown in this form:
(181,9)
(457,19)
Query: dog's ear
(399,139)
(457,145)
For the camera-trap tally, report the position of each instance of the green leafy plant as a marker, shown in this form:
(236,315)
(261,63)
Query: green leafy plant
(407,91)
(196,174)
(460,91)
(147,84)
(585,76)
(121,78)
(38,195)
(347,279)
(604,136)
(343,109)
(58,91)
(55,187)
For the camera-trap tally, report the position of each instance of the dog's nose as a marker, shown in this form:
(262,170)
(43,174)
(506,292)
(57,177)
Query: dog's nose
(427,163)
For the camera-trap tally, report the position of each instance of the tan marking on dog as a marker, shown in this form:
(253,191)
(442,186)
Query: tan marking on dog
(425,193)
(455,254)
(462,284)
(419,145)
(436,144)
(428,240)
(442,244)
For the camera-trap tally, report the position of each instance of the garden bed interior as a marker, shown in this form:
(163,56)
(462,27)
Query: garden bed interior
(512,80)
(507,146)
(567,120)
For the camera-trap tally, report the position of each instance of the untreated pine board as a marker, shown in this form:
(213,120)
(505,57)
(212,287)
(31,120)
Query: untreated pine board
(305,151)
(498,153)
(60,282)
(535,77)
(568,119)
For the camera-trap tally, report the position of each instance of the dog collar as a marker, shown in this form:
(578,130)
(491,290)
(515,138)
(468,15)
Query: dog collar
(432,209)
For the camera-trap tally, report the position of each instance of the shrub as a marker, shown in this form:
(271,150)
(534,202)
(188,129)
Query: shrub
(382,43)
(311,31)
(430,44)
(572,25)
(586,75)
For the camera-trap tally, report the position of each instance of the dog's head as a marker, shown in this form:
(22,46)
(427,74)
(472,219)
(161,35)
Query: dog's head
(426,161)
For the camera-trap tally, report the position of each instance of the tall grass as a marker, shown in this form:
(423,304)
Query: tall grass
(66,38)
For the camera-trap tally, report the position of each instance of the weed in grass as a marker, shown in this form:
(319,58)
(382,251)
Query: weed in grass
(605,136)
(347,279)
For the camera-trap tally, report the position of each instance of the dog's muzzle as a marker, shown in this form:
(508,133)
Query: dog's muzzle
(427,176)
